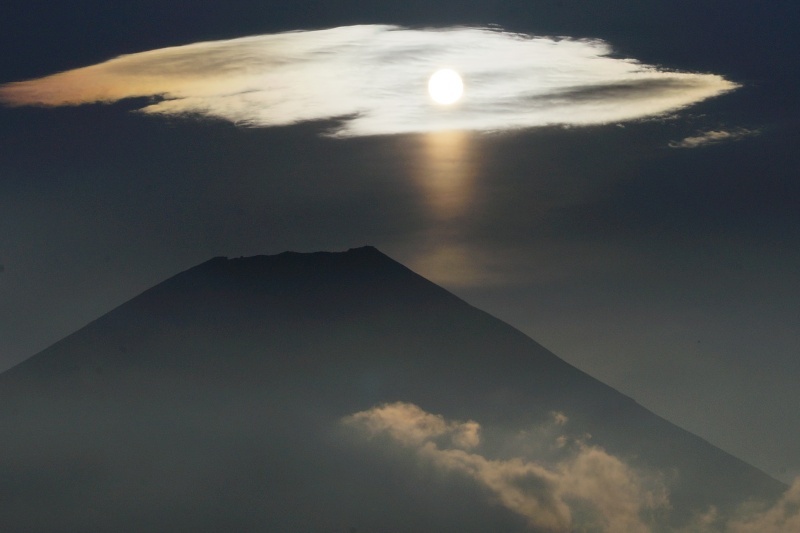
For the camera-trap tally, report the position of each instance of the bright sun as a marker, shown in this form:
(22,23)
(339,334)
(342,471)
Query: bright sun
(445,86)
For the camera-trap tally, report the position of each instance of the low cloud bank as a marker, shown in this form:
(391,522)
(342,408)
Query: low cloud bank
(372,79)
(586,489)
(589,490)
(754,517)
(782,517)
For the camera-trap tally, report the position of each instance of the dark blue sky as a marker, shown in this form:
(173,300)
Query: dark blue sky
(669,273)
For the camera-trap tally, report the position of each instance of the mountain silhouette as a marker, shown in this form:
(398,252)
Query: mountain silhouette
(215,401)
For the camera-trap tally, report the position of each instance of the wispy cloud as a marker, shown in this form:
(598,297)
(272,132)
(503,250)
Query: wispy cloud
(372,79)
(589,489)
(754,517)
(713,137)
(412,426)
(586,489)
(782,517)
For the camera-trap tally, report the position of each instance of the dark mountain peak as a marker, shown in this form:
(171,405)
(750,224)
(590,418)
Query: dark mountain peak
(250,362)
(230,297)
(352,256)
(355,280)
(365,263)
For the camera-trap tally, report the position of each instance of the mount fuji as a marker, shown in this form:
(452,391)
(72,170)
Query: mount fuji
(336,392)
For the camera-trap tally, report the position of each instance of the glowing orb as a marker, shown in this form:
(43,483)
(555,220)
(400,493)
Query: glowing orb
(445,86)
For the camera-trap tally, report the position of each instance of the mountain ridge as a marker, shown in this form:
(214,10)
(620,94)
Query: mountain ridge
(306,339)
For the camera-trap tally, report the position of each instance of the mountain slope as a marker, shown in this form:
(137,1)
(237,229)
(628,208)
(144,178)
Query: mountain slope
(214,401)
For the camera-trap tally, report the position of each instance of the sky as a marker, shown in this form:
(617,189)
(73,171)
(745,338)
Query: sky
(619,180)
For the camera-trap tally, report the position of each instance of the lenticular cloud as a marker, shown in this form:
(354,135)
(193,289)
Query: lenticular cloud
(372,80)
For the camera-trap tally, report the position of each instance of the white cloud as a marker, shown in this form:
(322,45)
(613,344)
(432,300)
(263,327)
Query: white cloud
(609,495)
(753,517)
(559,418)
(782,517)
(713,137)
(372,79)
(411,425)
